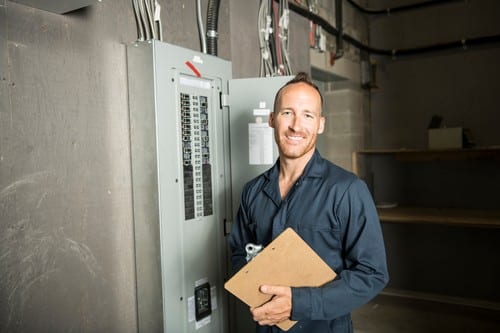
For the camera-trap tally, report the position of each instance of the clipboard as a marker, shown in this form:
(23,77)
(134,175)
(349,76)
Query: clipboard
(287,261)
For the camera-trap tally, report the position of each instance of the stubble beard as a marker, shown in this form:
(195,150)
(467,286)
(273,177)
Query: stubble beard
(296,151)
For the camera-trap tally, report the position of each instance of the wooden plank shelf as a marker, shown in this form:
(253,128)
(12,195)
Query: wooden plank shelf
(478,153)
(448,216)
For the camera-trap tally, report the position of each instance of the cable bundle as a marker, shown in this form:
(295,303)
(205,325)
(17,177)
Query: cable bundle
(273,21)
(147,16)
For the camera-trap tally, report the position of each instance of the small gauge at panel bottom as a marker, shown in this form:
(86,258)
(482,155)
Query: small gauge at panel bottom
(203,301)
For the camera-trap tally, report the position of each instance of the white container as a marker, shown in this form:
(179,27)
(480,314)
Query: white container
(442,138)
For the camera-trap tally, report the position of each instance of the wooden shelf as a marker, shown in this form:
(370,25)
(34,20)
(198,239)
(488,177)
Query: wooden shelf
(489,153)
(415,215)
(477,153)
(456,217)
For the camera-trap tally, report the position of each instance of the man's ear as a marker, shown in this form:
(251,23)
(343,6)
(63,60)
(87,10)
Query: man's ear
(321,128)
(271,119)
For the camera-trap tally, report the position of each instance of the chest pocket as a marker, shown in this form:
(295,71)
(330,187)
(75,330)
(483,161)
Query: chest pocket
(325,240)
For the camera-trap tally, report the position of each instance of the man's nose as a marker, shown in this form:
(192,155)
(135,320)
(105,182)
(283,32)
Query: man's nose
(295,124)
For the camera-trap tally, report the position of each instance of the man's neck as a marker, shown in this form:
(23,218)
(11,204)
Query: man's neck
(291,170)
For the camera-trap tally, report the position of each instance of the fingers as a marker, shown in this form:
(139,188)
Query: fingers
(267,318)
(276,290)
(277,309)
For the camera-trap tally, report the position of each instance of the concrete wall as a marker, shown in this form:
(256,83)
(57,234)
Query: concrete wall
(461,86)
(66,243)
(66,229)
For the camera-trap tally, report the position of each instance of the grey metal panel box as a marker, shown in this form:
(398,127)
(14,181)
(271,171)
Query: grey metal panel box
(249,99)
(179,238)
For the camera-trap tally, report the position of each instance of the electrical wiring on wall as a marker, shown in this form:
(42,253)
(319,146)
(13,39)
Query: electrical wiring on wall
(147,16)
(201,27)
(272,25)
(284,21)
(461,44)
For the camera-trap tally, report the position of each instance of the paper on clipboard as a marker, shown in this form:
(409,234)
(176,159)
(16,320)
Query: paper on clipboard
(286,261)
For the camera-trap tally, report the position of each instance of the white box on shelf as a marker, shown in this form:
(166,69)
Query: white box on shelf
(442,138)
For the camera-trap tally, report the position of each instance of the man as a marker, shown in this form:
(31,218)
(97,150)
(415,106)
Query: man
(330,208)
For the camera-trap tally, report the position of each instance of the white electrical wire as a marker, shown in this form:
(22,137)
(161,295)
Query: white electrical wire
(268,67)
(144,19)
(201,27)
(264,29)
(148,16)
(157,18)
(149,13)
(138,20)
(285,36)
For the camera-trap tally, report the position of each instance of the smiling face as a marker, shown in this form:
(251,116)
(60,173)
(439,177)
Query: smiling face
(297,121)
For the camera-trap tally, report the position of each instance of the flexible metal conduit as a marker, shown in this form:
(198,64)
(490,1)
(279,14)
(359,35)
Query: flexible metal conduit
(212,18)
(454,45)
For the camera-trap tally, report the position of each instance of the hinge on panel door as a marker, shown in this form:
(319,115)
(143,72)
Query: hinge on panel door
(227,227)
(223,99)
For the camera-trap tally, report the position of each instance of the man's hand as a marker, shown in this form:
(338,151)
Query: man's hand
(277,309)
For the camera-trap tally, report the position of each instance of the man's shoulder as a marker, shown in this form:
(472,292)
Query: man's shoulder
(336,173)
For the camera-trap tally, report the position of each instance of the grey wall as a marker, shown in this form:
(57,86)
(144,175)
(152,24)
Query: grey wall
(460,85)
(66,243)
(66,229)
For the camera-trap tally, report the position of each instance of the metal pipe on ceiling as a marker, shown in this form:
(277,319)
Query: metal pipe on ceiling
(399,9)
(453,45)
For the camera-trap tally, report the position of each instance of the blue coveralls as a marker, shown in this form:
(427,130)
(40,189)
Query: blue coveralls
(333,211)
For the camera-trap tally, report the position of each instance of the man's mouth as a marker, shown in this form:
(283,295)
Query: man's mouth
(294,137)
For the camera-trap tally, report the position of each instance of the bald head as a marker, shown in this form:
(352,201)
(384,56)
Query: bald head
(301,77)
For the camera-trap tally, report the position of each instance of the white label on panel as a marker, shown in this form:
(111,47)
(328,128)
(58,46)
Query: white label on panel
(201,281)
(203,322)
(260,142)
(261,112)
(191,309)
(194,82)
(213,295)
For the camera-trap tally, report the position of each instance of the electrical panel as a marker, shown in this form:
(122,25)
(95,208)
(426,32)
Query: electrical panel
(180,178)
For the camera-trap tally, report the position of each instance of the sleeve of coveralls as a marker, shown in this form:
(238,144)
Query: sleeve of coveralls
(365,271)
(239,237)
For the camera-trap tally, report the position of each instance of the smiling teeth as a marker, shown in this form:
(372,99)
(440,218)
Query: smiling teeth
(294,138)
